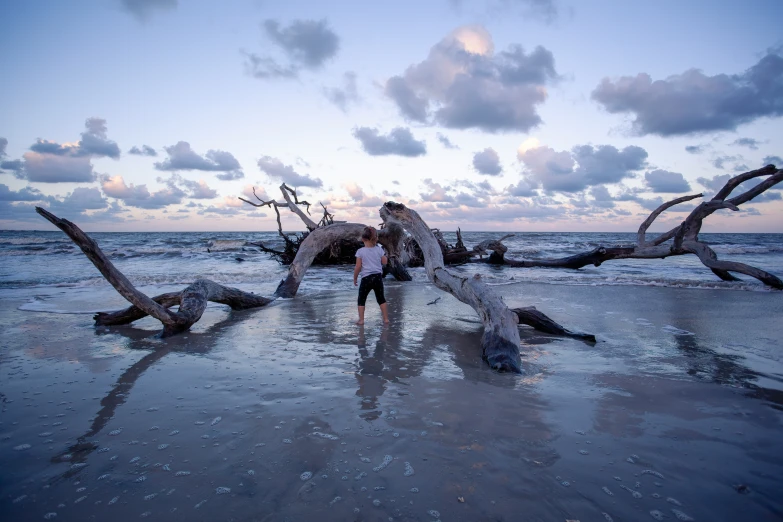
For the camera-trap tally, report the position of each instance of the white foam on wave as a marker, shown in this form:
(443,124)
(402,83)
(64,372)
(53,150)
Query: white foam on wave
(676,331)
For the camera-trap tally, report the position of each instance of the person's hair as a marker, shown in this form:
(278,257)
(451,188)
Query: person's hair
(370,235)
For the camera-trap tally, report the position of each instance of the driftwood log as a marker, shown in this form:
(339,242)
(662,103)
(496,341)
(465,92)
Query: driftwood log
(500,341)
(192,301)
(682,239)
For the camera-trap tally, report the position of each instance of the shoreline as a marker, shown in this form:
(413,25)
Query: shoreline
(673,379)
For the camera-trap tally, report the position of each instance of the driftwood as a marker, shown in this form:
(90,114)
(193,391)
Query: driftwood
(192,300)
(500,341)
(392,238)
(682,239)
(541,322)
(316,241)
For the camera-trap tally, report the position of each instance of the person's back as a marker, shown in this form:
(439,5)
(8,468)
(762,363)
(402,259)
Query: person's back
(371,260)
(369,264)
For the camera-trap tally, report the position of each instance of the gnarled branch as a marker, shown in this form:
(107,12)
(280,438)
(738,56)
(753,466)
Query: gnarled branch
(192,300)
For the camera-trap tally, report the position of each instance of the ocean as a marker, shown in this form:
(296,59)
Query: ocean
(293,412)
(41,259)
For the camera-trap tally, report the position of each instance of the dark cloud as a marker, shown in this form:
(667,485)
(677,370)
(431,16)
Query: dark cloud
(523,189)
(145,150)
(138,195)
(197,189)
(307,44)
(487,162)
(716,183)
(773,160)
(462,84)
(398,142)
(23,194)
(82,198)
(445,141)
(94,141)
(720,161)
(52,162)
(664,181)
(274,168)
(144,9)
(16,167)
(53,168)
(344,96)
(750,143)
(692,102)
(694,149)
(182,157)
(3,145)
(583,166)
(601,197)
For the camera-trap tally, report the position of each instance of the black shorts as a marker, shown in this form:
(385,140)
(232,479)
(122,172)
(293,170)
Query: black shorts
(371,282)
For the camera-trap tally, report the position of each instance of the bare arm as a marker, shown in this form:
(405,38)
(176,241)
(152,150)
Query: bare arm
(357,269)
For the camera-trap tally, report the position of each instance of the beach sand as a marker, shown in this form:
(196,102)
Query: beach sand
(292,412)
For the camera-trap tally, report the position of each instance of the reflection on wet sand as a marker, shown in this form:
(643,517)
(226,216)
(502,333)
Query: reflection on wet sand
(136,339)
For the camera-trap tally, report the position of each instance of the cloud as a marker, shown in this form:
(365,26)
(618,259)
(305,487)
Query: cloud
(346,95)
(398,142)
(523,189)
(182,157)
(307,44)
(274,168)
(138,195)
(3,145)
(145,150)
(53,168)
(23,194)
(694,149)
(716,183)
(720,161)
(435,192)
(198,189)
(445,141)
(583,166)
(144,9)
(487,162)
(665,181)
(83,198)
(750,143)
(94,141)
(462,84)
(360,199)
(52,162)
(601,197)
(691,102)
(773,160)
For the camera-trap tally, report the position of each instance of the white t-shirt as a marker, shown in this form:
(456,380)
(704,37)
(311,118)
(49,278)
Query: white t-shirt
(371,260)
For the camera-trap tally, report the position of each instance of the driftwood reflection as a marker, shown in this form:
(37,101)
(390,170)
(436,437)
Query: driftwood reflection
(138,339)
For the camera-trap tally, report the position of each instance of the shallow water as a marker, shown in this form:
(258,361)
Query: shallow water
(291,412)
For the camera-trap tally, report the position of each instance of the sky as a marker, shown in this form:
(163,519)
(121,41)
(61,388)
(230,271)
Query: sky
(512,115)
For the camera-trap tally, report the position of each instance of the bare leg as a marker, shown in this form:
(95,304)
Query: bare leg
(385,312)
(361,315)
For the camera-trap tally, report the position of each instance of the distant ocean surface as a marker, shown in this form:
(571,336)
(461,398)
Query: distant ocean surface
(46,259)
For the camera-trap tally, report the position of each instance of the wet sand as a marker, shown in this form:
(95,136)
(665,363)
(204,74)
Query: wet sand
(294,413)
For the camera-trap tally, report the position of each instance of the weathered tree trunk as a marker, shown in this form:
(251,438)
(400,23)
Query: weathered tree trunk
(192,300)
(318,240)
(532,317)
(685,236)
(500,341)
(392,238)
